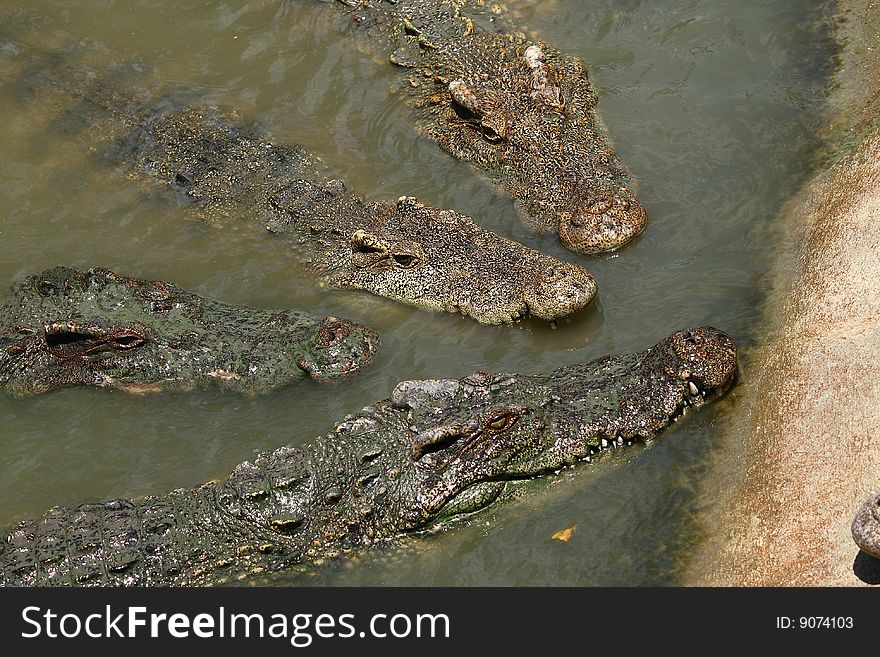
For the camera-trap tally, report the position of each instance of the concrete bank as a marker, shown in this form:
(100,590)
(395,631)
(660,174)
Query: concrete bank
(805,436)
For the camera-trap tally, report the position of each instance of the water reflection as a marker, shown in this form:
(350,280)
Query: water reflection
(712,105)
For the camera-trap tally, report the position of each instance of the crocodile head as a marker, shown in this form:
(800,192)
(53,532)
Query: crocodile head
(474,439)
(438,449)
(405,251)
(866,527)
(528,118)
(441,260)
(67,327)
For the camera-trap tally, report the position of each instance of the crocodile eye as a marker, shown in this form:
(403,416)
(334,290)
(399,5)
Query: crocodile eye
(543,88)
(127,341)
(47,288)
(501,422)
(479,108)
(68,340)
(490,135)
(405,260)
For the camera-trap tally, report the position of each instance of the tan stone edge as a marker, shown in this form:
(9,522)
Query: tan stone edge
(803,450)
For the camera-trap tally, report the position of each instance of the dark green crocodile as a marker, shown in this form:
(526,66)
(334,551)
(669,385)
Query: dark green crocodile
(431,258)
(521,111)
(434,451)
(67,327)
(866,526)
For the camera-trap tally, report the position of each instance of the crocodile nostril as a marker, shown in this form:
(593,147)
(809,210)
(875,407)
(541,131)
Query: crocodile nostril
(553,275)
(332,333)
(571,219)
(599,205)
(127,341)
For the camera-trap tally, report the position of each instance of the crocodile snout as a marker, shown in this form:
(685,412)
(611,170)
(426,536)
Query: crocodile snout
(562,289)
(341,348)
(707,357)
(602,222)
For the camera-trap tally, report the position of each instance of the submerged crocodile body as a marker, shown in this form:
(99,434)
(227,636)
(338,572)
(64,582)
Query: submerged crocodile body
(521,111)
(866,526)
(435,451)
(427,257)
(66,327)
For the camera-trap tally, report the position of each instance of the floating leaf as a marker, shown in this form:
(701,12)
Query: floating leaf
(565,534)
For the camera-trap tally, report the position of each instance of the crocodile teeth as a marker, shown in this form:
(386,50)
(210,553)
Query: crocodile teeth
(694,390)
(620,441)
(604,443)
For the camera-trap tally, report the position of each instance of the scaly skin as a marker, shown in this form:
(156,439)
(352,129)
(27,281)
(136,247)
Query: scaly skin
(66,327)
(427,257)
(435,451)
(866,527)
(521,111)
(406,251)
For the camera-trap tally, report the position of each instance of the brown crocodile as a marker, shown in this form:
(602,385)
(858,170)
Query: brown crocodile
(519,110)
(402,250)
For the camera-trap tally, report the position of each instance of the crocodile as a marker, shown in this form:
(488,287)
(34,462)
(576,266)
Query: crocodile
(519,110)
(866,526)
(65,327)
(403,250)
(433,454)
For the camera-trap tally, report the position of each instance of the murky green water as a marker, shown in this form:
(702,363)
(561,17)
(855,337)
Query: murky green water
(711,103)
